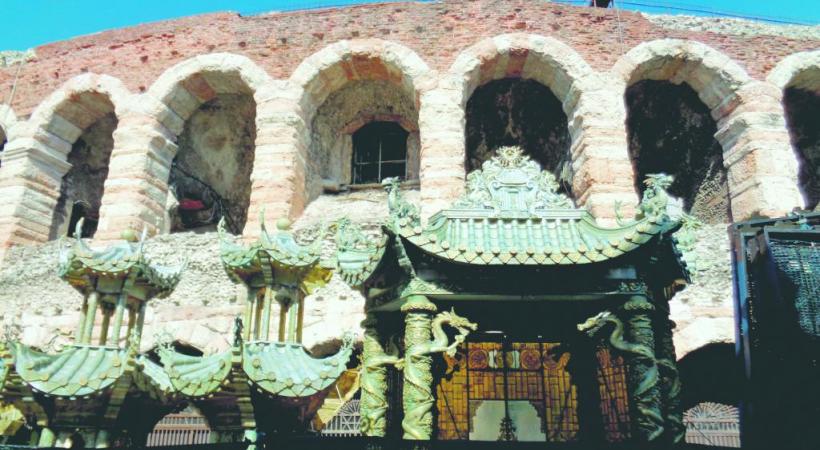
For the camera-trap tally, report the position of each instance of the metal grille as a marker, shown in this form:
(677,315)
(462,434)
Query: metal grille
(184,428)
(712,424)
(345,422)
(799,263)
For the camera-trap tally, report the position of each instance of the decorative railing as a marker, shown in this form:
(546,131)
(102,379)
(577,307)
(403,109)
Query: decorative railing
(184,428)
(713,424)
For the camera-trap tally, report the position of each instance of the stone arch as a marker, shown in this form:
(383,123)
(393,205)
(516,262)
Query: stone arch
(339,71)
(40,154)
(748,120)
(544,59)
(339,63)
(713,75)
(187,85)
(551,63)
(195,94)
(798,78)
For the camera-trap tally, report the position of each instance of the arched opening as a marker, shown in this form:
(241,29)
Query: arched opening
(520,112)
(802,108)
(712,381)
(81,188)
(210,177)
(361,134)
(671,130)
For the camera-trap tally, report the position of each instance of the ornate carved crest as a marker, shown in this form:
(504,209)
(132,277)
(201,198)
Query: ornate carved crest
(512,182)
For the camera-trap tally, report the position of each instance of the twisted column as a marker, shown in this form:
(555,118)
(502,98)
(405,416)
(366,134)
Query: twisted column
(670,385)
(645,393)
(417,395)
(373,404)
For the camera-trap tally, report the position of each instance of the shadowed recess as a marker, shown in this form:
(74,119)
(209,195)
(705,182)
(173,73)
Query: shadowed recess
(210,176)
(525,113)
(803,118)
(670,130)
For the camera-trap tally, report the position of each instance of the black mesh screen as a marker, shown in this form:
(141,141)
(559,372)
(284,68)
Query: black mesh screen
(798,266)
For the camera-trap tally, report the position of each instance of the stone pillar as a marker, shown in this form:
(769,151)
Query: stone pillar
(757,152)
(442,156)
(137,184)
(278,176)
(670,385)
(373,403)
(34,163)
(645,398)
(603,175)
(417,395)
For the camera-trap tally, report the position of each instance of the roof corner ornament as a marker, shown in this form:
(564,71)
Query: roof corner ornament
(655,198)
(349,236)
(402,213)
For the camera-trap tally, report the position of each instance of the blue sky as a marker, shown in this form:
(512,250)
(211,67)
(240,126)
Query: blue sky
(28,23)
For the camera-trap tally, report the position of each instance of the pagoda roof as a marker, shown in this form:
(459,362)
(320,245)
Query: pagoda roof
(357,256)
(80,264)
(277,368)
(287,370)
(78,370)
(244,263)
(512,214)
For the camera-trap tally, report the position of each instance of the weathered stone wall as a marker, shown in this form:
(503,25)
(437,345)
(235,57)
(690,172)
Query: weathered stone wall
(314,76)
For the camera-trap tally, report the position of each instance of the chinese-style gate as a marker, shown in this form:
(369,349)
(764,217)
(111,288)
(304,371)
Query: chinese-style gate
(575,343)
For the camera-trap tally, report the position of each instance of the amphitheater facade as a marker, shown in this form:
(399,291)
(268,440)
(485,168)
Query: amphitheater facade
(262,113)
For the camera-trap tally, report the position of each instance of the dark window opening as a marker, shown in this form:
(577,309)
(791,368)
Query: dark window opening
(670,130)
(516,112)
(803,117)
(379,152)
(82,210)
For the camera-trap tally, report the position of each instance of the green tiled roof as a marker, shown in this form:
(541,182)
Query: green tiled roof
(357,256)
(81,263)
(77,370)
(195,376)
(279,250)
(512,214)
(280,369)
(287,370)
(152,379)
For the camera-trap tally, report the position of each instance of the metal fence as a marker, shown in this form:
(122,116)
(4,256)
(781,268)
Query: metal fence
(184,428)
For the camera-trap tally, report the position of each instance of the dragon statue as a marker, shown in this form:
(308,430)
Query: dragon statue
(418,380)
(400,208)
(644,386)
(374,383)
(654,202)
(655,198)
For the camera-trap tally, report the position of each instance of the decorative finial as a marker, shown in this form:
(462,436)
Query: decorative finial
(283,224)
(129,235)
